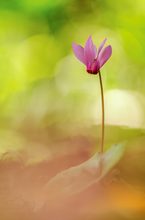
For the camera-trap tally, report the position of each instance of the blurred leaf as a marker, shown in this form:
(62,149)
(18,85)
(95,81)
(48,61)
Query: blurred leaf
(79,178)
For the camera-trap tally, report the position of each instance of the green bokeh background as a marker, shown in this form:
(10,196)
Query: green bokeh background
(43,86)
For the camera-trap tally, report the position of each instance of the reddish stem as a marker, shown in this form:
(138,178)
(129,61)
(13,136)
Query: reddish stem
(103,115)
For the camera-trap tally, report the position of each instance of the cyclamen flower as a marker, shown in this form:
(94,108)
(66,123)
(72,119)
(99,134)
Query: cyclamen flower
(92,57)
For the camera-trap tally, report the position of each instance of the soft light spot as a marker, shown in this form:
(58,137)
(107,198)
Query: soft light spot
(123,108)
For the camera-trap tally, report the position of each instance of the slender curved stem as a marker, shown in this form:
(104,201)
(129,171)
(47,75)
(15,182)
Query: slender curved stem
(103,114)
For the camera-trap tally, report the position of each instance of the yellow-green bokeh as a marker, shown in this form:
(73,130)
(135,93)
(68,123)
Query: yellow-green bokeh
(43,84)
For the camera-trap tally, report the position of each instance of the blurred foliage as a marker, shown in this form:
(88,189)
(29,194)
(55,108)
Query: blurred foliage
(43,85)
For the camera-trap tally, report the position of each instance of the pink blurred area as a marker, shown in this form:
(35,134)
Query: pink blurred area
(25,192)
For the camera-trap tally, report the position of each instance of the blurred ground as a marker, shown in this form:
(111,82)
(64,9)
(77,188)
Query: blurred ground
(120,195)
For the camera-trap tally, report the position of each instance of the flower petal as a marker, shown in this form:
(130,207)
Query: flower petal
(79,52)
(104,55)
(102,45)
(95,67)
(90,51)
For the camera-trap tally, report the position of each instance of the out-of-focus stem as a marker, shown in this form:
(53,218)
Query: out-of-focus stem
(103,114)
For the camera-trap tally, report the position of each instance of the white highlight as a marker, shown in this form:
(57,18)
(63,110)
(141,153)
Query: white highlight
(123,108)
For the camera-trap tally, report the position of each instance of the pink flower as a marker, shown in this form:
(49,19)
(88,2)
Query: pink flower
(92,57)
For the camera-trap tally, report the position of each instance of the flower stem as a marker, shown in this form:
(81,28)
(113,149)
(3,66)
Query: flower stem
(103,114)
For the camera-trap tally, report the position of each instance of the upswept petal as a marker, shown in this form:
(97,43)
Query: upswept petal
(102,45)
(79,52)
(104,55)
(90,51)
